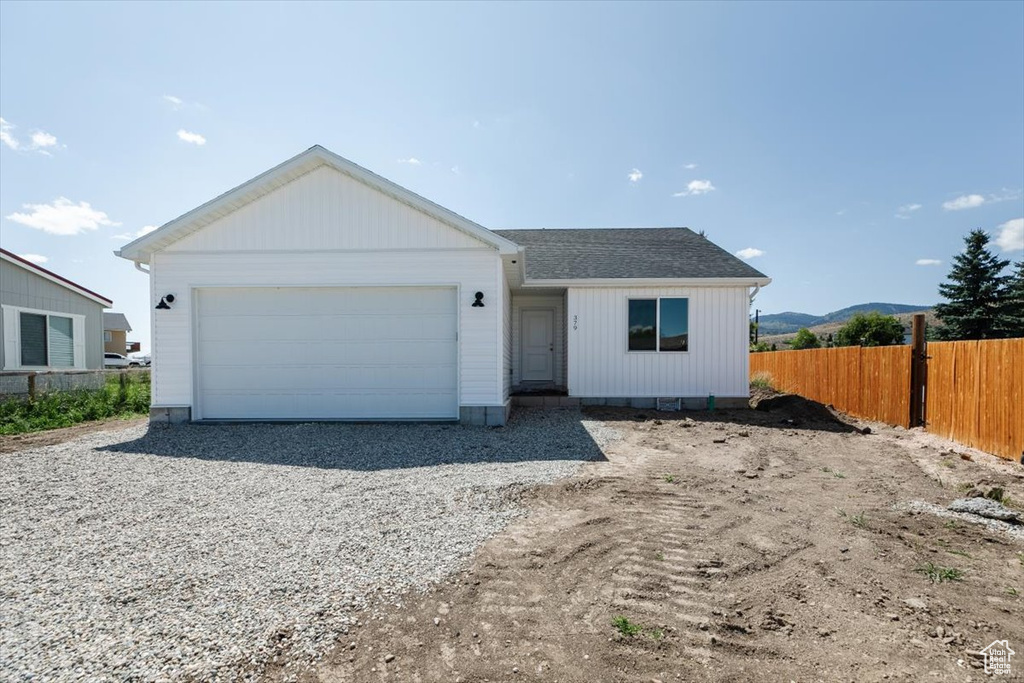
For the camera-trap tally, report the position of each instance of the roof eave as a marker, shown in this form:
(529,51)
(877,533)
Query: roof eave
(651,282)
(140,249)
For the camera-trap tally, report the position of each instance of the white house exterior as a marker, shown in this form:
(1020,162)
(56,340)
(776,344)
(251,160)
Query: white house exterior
(320,291)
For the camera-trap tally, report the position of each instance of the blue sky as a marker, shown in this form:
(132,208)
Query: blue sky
(839,144)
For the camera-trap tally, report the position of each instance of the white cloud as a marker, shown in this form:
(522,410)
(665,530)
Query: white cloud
(412,161)
(749,253)
(1011,235)
(907,209)
(40,140)
(176,102)
(192,138)
(145,230)
(690,166)
(5,135)
(62,217)
(635,175)
(456,171)
(35,258)
(967,201)
(696,187)
(927,262)
(476,124)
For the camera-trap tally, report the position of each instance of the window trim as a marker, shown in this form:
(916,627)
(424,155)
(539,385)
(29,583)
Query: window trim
(13,361)
(657,324)
(108,336)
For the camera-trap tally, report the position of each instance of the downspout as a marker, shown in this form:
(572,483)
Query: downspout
(138,267)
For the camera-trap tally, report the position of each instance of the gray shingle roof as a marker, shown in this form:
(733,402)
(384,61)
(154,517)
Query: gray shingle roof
(600,253)
(116,321)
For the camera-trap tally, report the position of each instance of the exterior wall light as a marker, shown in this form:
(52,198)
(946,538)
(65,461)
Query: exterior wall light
(164,301)
(479,303)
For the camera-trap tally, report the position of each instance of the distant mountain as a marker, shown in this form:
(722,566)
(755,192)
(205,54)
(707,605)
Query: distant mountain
(789,322)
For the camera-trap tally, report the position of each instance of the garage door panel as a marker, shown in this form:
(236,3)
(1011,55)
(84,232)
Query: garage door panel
(327,353)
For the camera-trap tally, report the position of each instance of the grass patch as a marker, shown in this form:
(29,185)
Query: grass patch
(660,557)
(762,380)
(125,395)
(951,524)
(1013,591)
(938,574)
(961,553)
(670,478)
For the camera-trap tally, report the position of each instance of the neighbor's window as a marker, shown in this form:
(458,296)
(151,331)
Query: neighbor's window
(47,340)
(659,324)
(108,336)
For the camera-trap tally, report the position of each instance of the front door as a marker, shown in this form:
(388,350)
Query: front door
(538,346)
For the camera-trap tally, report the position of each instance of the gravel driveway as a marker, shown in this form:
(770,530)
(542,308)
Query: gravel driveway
(204,551)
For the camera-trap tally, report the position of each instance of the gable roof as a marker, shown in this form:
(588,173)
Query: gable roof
(316,156)
(56,279)
(115,321)
(628,253)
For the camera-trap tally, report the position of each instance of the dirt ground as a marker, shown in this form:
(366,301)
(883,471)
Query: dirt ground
(742,546)
(20,442)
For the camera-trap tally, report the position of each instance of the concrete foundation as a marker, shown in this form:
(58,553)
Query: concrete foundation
(25,384)
(171,415)
(485,416)
(688,403)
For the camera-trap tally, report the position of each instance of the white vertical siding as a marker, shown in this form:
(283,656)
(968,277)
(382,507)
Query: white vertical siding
(716,363)
(470,270)
(325,209)
(506,337)
(555,302)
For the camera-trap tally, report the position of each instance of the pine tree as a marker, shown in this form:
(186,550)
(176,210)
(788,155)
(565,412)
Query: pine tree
(1013,305)
(975,293)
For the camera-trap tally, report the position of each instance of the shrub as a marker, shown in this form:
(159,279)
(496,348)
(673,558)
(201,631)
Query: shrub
(870,329)
(805,339)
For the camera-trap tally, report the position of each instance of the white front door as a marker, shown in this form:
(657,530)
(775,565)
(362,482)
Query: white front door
(538,346)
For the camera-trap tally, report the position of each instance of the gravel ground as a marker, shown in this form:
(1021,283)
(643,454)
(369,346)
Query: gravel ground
(203,552)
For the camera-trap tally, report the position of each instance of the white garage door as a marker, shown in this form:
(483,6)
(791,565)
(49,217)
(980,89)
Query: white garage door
(327,353)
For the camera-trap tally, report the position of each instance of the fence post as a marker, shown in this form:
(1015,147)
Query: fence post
(918,371)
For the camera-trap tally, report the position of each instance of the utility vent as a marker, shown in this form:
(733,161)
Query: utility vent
(668,403)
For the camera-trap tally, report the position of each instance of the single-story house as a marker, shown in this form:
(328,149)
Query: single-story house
(115,332)
(48,321)
(321,291)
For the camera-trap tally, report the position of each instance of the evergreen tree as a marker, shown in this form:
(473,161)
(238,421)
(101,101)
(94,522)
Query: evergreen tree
(975,293)
(1013,304)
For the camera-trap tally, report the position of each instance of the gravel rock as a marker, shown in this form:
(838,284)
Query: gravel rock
(916,506)
(203,552)
(984,508)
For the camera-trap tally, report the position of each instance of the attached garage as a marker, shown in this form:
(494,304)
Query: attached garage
(327,353)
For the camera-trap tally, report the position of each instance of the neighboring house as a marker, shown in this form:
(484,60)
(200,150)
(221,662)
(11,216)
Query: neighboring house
(319,290)
(115,333)
(49,322)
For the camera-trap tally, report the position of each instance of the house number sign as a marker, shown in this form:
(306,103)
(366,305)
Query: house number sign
(575,320)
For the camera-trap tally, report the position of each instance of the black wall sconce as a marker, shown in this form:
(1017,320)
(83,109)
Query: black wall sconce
(164,300)
(479,303)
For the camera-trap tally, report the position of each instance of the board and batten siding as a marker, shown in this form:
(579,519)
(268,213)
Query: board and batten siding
(506,339)
(469,270)
(717,361)
(325,209)
(554,302)
(21,288)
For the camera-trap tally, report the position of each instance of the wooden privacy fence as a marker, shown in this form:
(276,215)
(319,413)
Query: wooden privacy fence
(870,382)
(973,390)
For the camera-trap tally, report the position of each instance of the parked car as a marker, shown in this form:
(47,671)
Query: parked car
(142,360)
(114,360)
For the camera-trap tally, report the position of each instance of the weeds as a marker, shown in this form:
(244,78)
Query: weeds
(124,395)
(626,627)
(670,478)
(660,557)
(938,574)
(965,486)
(630,628)
(858,520)
(762,380)
(951,524)
(961,553)
(1012,591)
